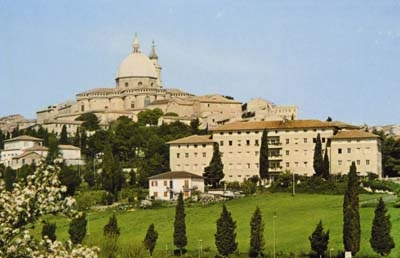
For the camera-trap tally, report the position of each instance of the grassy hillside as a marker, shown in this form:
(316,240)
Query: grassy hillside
(296,219)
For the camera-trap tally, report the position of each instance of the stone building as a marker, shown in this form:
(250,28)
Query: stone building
(291,146)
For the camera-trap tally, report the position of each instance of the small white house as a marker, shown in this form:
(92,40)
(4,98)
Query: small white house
(166,186)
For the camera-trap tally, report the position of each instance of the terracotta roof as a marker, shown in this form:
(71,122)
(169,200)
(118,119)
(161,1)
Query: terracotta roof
(68,147)
(193,139)
(99,90)
(27,153)
(215,99)
(279,124)
(175,174)
(37,148)
(23,138)
(350,134)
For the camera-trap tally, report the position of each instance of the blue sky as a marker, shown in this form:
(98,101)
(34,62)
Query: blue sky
(330,58)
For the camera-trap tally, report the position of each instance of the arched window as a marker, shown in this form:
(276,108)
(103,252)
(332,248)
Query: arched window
(132,104)
(126,84)
(140,84)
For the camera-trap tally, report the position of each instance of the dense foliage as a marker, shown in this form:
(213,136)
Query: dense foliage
(351,213)
(77,229)
(40,194)
(180,238)
(390,154)
(318,162)
(49,231)
(215,171)
(257,234)
(264,162)
(225,237)
(111,228)
(381,240)
(150,239)
(319,240)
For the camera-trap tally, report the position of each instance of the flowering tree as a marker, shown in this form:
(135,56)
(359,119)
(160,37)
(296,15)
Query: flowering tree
(19,209)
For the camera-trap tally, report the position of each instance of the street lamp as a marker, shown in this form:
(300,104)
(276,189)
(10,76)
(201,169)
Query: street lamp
(200,247)
(294,185)
(273,229)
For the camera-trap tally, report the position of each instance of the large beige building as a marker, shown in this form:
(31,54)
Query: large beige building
(291,148)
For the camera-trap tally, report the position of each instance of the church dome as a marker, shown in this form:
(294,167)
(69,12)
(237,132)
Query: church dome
(136,65)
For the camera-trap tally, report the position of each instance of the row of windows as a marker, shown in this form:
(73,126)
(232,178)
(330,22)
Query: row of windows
(204,155)
(165,183)
(155,194)
(270,142)
(348,150)
(194,145)
(358,162)
(276,131)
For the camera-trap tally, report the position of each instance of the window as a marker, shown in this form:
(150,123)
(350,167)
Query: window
(305,163)
(256,143)
(165,194)
(287,164)
(82,108)
(305,140)
(195,154)
(165,183)
(339,151)
(186,155)
(178,155)
(230,143)
(248,165)
(204,154)
(247,142)
(287,141)
(287,153)
(339,162)
(140,83)
(256,153)
(203,145)
(348,150)
(186,184)
(367,162)
(221,143)
(358,162)
(154,183)
(146,101)
(126,84)
(323,139)
(155,194)
(195,145)
(186,194)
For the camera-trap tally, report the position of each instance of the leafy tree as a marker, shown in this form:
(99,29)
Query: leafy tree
(318,163)
(325,173)
(76,140)
(64,135)
(225,237)
(390,154)
(257,235)
(9,178)
(49,230)
(215,171)
(70,178)
(149,117)
(53,151)
(43,189)
(194,125)
(90,121)
(111,228)
(111,173)
(150,239)
(77,229)
(89,176)
(351,214)
(319,240)
(264,161)
(180,239)
(381,240)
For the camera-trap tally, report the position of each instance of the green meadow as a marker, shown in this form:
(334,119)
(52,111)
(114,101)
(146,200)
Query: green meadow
(295,219)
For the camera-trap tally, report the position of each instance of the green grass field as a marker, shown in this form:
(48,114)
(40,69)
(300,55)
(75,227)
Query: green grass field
(296,218)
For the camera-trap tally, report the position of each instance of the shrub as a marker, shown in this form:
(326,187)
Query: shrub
(111,228)
(77,229)
(49,230)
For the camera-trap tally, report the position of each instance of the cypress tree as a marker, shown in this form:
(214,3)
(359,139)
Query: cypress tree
(111,229)
(180,239)
(318,163)
(215,171)
(150,239)
(319,240)
(264,162)
(64,135)
(326,165)
(257,235)
(381,241)
(77,229)
(351,214)
(225,237)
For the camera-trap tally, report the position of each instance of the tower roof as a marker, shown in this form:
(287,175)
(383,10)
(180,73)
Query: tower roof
(153,54)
